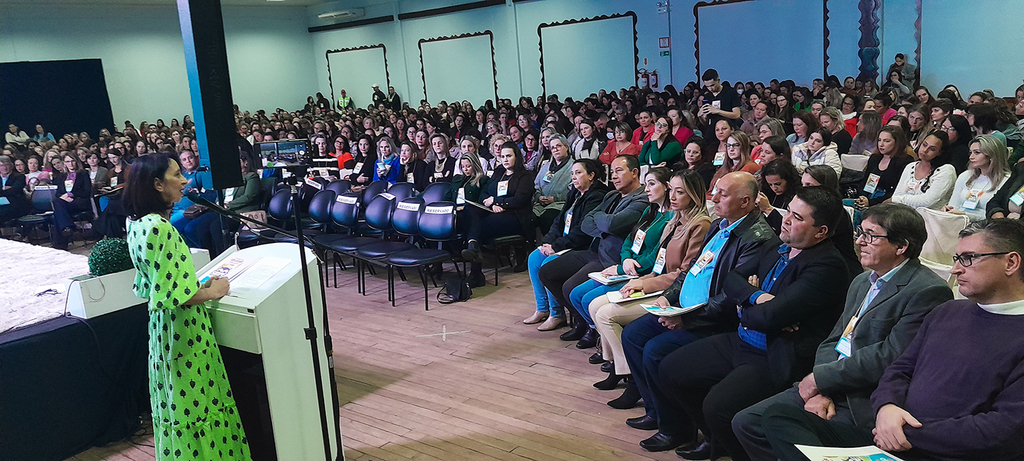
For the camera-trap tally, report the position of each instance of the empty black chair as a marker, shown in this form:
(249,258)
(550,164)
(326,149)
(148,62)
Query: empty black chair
(42,209)
(309,188)
(402,190)
(338,186)
(344,214)
(435,192)
(379,214)
(436,224)
(372,190)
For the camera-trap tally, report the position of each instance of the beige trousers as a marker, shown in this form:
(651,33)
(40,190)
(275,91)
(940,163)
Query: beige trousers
(609,318)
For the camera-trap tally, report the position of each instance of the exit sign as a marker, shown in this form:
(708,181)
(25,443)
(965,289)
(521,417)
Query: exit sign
(666,53)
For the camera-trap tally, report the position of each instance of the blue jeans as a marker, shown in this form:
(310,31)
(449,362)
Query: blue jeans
(585,293)
(546,302)
(645,343)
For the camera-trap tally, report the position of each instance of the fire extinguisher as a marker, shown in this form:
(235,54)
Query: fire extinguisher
(654,79)
(643,78)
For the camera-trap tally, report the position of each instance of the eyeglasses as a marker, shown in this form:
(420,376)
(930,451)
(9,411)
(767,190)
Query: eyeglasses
(868,237)
(948,128)
(732,145)
(661,125)
(966,259)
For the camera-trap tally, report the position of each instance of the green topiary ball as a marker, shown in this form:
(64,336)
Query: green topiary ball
(108,256)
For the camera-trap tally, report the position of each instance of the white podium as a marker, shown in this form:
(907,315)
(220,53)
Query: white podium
(260,327)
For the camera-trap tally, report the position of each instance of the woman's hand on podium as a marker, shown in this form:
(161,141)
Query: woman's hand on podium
(219,287)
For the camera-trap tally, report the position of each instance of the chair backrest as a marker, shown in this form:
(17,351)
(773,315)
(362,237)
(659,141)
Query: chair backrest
(345,210)
(380,210)
(42,197)
(309,188)
(280,207)
(402,190)
(435,192)
(943,235)
(373,189)
(437,221)
(339,186)
(406,217)
(320,206)
(855,162)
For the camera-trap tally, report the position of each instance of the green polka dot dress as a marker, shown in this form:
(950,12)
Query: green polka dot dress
(194,414)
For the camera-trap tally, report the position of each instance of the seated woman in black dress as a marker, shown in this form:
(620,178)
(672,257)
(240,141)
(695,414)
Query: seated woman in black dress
(509,197)
(74,191)
(365,158)
(413,169)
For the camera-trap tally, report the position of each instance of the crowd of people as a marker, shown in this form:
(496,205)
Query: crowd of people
(729,201)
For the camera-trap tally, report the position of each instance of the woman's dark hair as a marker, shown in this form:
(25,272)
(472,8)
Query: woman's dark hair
(809,119)
(962,127)
(699,141)
(592,167)
(140,196)
(985,117)
(519,166)
(72,156)
(904,123)
(824,175)
(953,97)
(899,136)
(369,140)
(780,146)
(945,156)
(785,171)
(243,155)
(826,135)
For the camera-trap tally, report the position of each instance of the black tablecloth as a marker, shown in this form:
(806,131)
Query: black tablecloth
(69,384)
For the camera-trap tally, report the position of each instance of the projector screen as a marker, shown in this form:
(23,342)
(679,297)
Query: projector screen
(611,63)
(458,68)
(735,40)
(356,71)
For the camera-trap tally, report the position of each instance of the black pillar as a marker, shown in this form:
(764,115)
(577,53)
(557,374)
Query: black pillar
(206,62)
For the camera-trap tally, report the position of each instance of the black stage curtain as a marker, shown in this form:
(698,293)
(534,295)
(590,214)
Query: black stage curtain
(63,96)
(68,384)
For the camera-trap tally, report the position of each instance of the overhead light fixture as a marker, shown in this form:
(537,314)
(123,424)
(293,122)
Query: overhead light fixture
(341,14)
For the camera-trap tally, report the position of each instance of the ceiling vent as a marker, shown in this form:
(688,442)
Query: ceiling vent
(342,15)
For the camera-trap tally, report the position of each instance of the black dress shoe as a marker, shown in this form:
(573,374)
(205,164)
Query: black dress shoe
(611,382)
(661,442)
(629,398)
(596,358)
(589,339)
(644,423)
(578,330)
(607,367)
(702,451)
(472,252)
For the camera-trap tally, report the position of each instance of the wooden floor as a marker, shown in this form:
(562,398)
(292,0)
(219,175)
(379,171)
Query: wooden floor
(491,388)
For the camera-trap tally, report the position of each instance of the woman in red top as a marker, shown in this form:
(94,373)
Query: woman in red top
(620,145)
(646,129)
(683,129)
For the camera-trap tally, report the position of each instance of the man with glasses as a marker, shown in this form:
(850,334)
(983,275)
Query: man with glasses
(884,309)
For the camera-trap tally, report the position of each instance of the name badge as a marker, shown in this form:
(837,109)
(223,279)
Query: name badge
(68,185)
(659,264)
(461,199)
(113,181)
(638,240)
(502,188)
(438,174)
(973,197)
(568,222)
(872,183)
(5,201)
(358,167)
(702,262)
(548,177)
(409,178)
(845,345)
(719,159)
(716,104)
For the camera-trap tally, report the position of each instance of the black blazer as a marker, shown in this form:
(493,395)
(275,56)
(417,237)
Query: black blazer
(14,190)
(421,172)
(1000,203)
(81,191)
(447,172)
(809,293)
(367,168)
(581,205)
(519,197)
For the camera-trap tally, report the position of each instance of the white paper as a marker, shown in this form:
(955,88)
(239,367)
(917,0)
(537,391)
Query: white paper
(870,453)
(670,311)
(256,275)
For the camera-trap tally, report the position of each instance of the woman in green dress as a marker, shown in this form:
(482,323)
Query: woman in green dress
(194,413)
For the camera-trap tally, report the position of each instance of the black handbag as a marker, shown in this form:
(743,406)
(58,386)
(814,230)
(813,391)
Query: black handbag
(455,290)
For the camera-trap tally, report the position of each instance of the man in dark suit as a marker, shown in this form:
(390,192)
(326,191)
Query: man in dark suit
(788,299)
(884,309)
(13,203)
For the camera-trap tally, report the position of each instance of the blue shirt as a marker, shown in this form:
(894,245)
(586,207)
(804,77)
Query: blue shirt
(753,337)
(201,181)
(697,288)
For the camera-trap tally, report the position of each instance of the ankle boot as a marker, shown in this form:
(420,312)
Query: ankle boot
(579,329)
(629,398)
(611,382)
(589,339)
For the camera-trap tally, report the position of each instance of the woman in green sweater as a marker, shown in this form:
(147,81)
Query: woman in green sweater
(663,149)
(639,254)
(468,184)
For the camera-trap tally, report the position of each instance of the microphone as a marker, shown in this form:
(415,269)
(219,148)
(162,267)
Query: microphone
(203,168)
(200,200)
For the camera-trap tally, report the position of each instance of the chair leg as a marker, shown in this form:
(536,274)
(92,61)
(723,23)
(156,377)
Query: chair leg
(391,284)
(426,297)
(402,274)
(457,271)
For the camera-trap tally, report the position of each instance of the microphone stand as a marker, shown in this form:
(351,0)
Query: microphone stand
(310,330)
